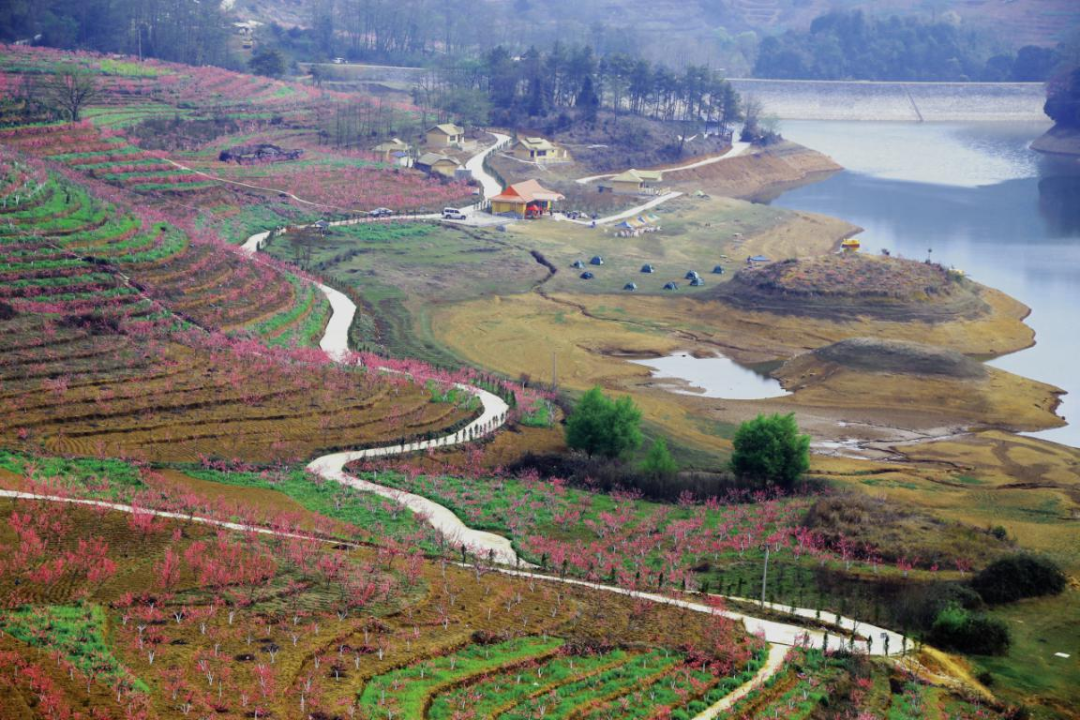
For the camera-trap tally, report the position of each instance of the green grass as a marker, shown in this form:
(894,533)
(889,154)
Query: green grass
(512,687)
(610,684)
(338,502)
(408,689)
(1040,628)
(77,633)
(99,477)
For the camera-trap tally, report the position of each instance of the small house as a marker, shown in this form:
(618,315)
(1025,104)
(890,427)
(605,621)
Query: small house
(538,150)
(445,135)
(438,164)
(525,199)
(391,151)
(850,245)
(635,182)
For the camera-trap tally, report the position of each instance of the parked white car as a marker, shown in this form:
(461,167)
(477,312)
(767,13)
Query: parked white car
(453,214)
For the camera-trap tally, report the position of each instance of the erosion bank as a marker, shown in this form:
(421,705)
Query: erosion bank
(754,174)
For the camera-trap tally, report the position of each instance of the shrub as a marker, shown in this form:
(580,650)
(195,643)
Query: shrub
(1016,577)
(769,448)
(6,311)
(957,629)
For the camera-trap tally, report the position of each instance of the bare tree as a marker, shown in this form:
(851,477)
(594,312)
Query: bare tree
(71,89)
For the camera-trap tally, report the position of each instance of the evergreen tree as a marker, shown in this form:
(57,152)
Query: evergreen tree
(658,462)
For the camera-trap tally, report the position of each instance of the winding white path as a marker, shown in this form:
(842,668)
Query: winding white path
(335,342)
(475,164)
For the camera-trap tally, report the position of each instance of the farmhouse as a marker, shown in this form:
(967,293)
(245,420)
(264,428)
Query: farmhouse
(393,151)
(438,164)
(539,150)
(634,182)
(445,135)
(525,199)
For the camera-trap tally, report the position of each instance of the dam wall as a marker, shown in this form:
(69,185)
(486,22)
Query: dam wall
(897,101)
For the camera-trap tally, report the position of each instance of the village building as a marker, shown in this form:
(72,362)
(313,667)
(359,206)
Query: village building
(438,164)
(525,199)
(538,150)
(445,135)
(634,182)
(394,151)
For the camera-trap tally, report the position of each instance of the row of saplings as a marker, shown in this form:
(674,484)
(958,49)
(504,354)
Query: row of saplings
(770,449)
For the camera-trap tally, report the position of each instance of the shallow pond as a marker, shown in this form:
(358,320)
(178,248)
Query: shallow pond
(716,377)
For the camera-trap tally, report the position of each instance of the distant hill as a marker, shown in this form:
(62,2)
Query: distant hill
(690,31)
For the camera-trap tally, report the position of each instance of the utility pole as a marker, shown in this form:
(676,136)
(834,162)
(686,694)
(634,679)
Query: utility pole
(765,576)
(554,371)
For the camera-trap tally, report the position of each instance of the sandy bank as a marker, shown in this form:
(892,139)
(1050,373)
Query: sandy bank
(1059,140)
(753,174)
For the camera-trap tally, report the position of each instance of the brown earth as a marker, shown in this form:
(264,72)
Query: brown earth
(945,387)
(751,175)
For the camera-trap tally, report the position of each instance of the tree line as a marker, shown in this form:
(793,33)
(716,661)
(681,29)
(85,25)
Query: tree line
(506,89)
(849,45)
(195,33)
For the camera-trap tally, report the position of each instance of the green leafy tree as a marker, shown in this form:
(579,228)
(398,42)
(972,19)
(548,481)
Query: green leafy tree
(769,448)
(658,461)
(270,63)
(602,426)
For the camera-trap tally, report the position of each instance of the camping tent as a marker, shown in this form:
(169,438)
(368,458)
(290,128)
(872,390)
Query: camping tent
(597,260)
(648,269)
(671,286)
(630,286)
(587,275)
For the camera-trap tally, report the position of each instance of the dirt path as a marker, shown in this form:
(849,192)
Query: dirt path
(737,148)
(773,665)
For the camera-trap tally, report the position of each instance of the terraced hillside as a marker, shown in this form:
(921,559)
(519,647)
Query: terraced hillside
(113,340)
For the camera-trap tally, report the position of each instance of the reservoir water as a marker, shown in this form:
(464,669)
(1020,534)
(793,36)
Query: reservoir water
(976,197)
